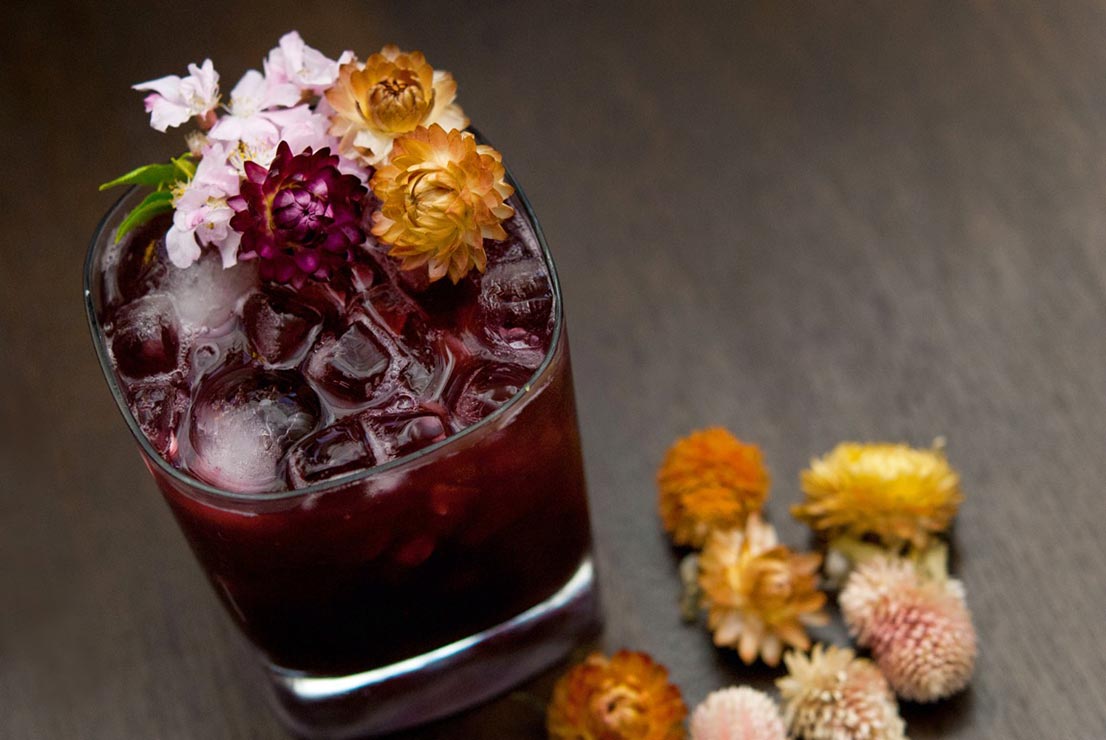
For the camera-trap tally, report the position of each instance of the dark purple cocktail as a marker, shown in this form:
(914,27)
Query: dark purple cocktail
(381,476)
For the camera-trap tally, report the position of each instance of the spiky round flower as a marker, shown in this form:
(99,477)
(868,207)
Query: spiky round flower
(759,595)
(624,697)
(442,195)
(737,713)
(919,629)
(300,217)
(710,480)
(833,695)
(897,493)
(391,94)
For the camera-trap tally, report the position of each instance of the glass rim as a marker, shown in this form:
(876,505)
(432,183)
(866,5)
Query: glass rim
(194,483)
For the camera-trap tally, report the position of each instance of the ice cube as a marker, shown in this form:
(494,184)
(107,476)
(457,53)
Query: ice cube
(356,368)
(243,421)
(328,453)
(482,389)
(157,406)
(206,295)
(136,266)
(145,337)
(394,433)
(279,326)
(515,309)
(405,320)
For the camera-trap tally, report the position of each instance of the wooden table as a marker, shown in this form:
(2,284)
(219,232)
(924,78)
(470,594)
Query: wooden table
(809,223)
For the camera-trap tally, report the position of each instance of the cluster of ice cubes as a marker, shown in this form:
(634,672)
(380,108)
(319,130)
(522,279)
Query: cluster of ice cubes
(258,387)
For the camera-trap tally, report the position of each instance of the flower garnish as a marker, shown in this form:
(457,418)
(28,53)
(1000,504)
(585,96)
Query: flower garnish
(624,697)
(174,99)
(901,495)
(253,115)
(833,695)
(299,217)
(391,94)
(442,195)
(293,61)
(919,629)
(202,215)
(710,480)
(737,713)
(759,595)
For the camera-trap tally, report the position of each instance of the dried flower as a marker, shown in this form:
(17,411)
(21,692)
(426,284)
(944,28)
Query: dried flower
(919,629)
(442,195)
(832,695)
(710,480)
(759,594)
(391,94)
(737,714)
(897,493)
(300,216)
(625,697)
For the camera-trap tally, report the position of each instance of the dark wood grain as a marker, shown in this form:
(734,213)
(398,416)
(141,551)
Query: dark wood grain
(808,222)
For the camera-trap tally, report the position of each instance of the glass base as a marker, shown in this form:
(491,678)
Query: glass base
(443,681)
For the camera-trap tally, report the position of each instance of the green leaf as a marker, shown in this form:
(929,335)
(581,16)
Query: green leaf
(152,174)
(157,202)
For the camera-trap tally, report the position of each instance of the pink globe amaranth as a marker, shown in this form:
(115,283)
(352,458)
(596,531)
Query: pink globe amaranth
(300,217)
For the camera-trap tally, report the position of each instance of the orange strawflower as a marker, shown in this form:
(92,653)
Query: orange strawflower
(624,697)
(710,480)
(391,94)
(442,195)
(759,594)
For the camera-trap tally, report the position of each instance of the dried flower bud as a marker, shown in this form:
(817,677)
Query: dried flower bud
(897,493)
(710,480)
(737,713)
(919,629)
(833,695)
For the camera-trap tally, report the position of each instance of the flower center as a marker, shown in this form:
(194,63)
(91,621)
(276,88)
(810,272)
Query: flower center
(620,708)
(430,198)
(397,104)
(301,214)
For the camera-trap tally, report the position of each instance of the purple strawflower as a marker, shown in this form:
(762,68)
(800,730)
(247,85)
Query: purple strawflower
(300,217)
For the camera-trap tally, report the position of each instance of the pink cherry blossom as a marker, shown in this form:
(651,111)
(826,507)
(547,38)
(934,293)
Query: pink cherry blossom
(202,215)
(295,62)
(302,127)
(174,99)
(250,113)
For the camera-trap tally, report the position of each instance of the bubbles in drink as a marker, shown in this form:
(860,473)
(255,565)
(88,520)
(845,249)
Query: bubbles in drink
(145,337)
(243,421)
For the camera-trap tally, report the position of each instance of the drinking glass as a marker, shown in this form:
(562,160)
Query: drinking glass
(411,590)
